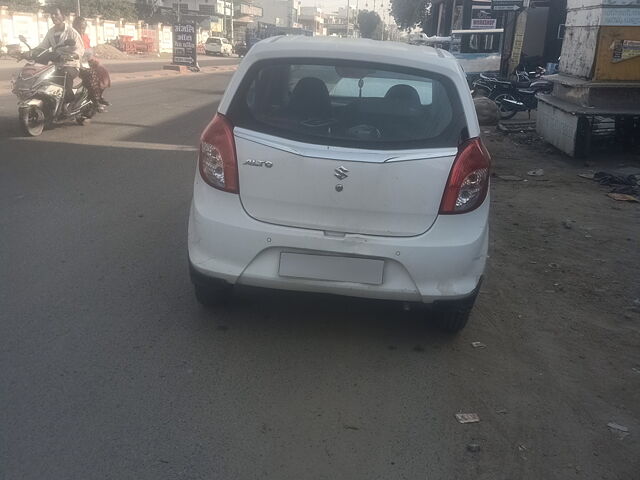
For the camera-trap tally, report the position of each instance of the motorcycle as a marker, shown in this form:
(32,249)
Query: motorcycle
(490,86)
(513,97)
(41,91)
(516,100)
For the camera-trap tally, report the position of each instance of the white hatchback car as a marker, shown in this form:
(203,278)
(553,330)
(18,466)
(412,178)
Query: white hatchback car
(218,46)
(350,167)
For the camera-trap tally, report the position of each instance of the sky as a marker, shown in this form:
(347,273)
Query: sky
(332,5)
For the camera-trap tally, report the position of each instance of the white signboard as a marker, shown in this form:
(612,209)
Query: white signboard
(483,23)
(621,17)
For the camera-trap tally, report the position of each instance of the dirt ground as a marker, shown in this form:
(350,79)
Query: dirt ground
(561,303)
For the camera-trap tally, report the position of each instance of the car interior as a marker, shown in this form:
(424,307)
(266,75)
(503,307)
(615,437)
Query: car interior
(354,104)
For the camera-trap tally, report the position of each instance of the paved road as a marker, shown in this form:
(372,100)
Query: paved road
(110,369)
(9,67)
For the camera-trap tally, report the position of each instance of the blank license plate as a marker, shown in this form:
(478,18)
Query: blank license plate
(326,267)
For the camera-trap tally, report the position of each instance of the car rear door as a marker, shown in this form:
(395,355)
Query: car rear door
(319,148)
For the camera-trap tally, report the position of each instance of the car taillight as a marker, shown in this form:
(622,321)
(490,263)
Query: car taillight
(217,160)
(469,179)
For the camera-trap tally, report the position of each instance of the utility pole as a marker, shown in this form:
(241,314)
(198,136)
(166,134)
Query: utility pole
(348,8)
(78,8)
(224,21)
(232,14)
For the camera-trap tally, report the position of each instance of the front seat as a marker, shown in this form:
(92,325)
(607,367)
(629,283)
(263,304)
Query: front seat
(406,115)
(406,95)
(310,99)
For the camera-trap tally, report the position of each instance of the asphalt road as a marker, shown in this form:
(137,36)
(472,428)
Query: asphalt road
(110,369)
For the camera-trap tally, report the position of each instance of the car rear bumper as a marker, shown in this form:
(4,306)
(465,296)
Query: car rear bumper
(445,263)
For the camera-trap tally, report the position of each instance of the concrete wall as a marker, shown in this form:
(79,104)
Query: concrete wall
(277,12)
(584,21)
(35,26)
(559,128)
(578,51)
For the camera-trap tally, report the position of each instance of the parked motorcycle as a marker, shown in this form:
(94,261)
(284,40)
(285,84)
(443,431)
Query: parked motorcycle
(513,97)
(490,86)
(41,91)
(521,99)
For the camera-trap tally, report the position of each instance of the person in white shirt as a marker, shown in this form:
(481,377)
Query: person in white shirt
(55,38)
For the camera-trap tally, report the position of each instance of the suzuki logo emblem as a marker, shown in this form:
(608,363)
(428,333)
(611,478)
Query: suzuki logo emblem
(341,173)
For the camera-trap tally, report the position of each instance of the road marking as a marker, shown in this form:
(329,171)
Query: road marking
(115,144)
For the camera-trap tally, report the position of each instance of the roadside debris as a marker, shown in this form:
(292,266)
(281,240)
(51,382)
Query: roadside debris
(467,417)
(502,411)
(568,224)
(620,430)
(516,126)
(478,345)
(623,197)
(510,178)
(473,447)
(588,176)
(625,182)
(538,172)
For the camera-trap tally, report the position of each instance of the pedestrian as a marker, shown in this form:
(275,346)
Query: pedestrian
(95,77)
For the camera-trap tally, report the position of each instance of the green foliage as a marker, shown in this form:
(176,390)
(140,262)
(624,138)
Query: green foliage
(409,13)
(109,9)
(22,5)
(369,23)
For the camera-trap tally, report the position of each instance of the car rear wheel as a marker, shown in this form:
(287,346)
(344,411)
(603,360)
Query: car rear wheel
(452,316)
(451,320)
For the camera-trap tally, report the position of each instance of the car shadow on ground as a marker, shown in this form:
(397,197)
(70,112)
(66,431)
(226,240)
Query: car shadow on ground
(290,312)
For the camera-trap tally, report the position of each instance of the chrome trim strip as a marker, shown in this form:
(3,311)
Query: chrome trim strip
(341,153)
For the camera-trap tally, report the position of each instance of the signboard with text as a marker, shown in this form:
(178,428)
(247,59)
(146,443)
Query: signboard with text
(506,5)
(484,23)
(184,44)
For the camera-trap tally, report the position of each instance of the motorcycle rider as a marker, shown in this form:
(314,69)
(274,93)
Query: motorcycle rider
(55,37)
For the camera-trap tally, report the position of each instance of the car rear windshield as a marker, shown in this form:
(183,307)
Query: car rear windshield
(350,104)
(215,41)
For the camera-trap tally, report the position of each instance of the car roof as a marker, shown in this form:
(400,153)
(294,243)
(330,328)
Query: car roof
(392,53)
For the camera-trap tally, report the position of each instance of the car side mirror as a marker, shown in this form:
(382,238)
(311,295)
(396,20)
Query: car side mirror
(22,38)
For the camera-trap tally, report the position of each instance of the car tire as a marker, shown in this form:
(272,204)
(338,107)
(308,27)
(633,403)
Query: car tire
(213,295)
(451,320)
(452,316)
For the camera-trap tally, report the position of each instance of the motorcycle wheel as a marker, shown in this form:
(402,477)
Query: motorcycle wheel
(504,114)
(32,120)
(481,92)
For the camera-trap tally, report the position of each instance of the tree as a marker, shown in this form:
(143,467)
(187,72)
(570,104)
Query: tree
(111,9)
(410,13)
(368,23)
(22,5)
